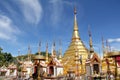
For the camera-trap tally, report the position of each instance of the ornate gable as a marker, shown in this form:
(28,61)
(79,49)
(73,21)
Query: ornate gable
(95,59)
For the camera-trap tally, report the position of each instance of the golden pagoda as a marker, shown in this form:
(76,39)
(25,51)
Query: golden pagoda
(76,47)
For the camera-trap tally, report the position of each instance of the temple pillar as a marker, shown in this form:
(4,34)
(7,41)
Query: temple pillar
(55,71)
(100,68)
(92,72)
(47,70)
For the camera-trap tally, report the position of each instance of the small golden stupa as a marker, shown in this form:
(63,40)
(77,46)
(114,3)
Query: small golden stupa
(76,47)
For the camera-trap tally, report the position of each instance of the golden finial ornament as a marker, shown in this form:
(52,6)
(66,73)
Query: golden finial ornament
(75,12)
(90,40)
(47,53)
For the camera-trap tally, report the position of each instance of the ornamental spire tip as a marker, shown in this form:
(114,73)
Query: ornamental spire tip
(75,12)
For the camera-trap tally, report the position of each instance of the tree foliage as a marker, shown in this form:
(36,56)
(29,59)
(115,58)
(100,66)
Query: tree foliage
(43,53)
(5,58)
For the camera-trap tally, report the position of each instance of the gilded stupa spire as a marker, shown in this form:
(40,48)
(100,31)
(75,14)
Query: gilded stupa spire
(39,48)
(107,47)
(47,53)
(54,46)
(60,52)
(29,53)
(75,36)
(90,40)
(103,48)
(53,50)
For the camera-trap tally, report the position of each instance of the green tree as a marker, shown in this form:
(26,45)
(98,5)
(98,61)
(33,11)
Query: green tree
(1,50)
(8,57)
(43,53)
(5,58)
(2,60)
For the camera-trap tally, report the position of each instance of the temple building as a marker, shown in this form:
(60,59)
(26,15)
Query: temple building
(51,68)
(10,71)
(54,66)
(75,49)
(27,65)
(3,71)
(93,63)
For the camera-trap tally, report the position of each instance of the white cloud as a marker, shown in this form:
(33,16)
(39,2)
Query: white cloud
(8,30)
(115,46)
(9,8)
(32,10)
(57,9)
(114,40)
(69,3)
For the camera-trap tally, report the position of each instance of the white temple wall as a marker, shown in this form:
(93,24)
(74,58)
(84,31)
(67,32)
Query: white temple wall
(28,70)
(55,71)
(45,69)
(59,70)
(7,73)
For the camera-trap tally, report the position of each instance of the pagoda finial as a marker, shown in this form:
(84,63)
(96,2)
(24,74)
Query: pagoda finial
(53,49)
(29,53)
(39,48)
(75,12)
(60,52)
(90,40)
(103,48)
(54,45)
(47,53)
(107,47)
(75,30)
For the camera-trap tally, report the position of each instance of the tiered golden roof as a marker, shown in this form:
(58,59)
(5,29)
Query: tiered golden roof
(76,45)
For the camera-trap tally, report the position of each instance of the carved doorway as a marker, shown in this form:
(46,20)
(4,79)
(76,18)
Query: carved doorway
(96,68)
(51,70)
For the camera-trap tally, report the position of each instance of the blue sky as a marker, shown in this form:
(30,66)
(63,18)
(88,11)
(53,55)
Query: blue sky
(26,22)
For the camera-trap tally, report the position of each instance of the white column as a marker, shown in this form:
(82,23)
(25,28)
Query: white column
(47,70)
(55,71)
(92,69)
(100,68)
